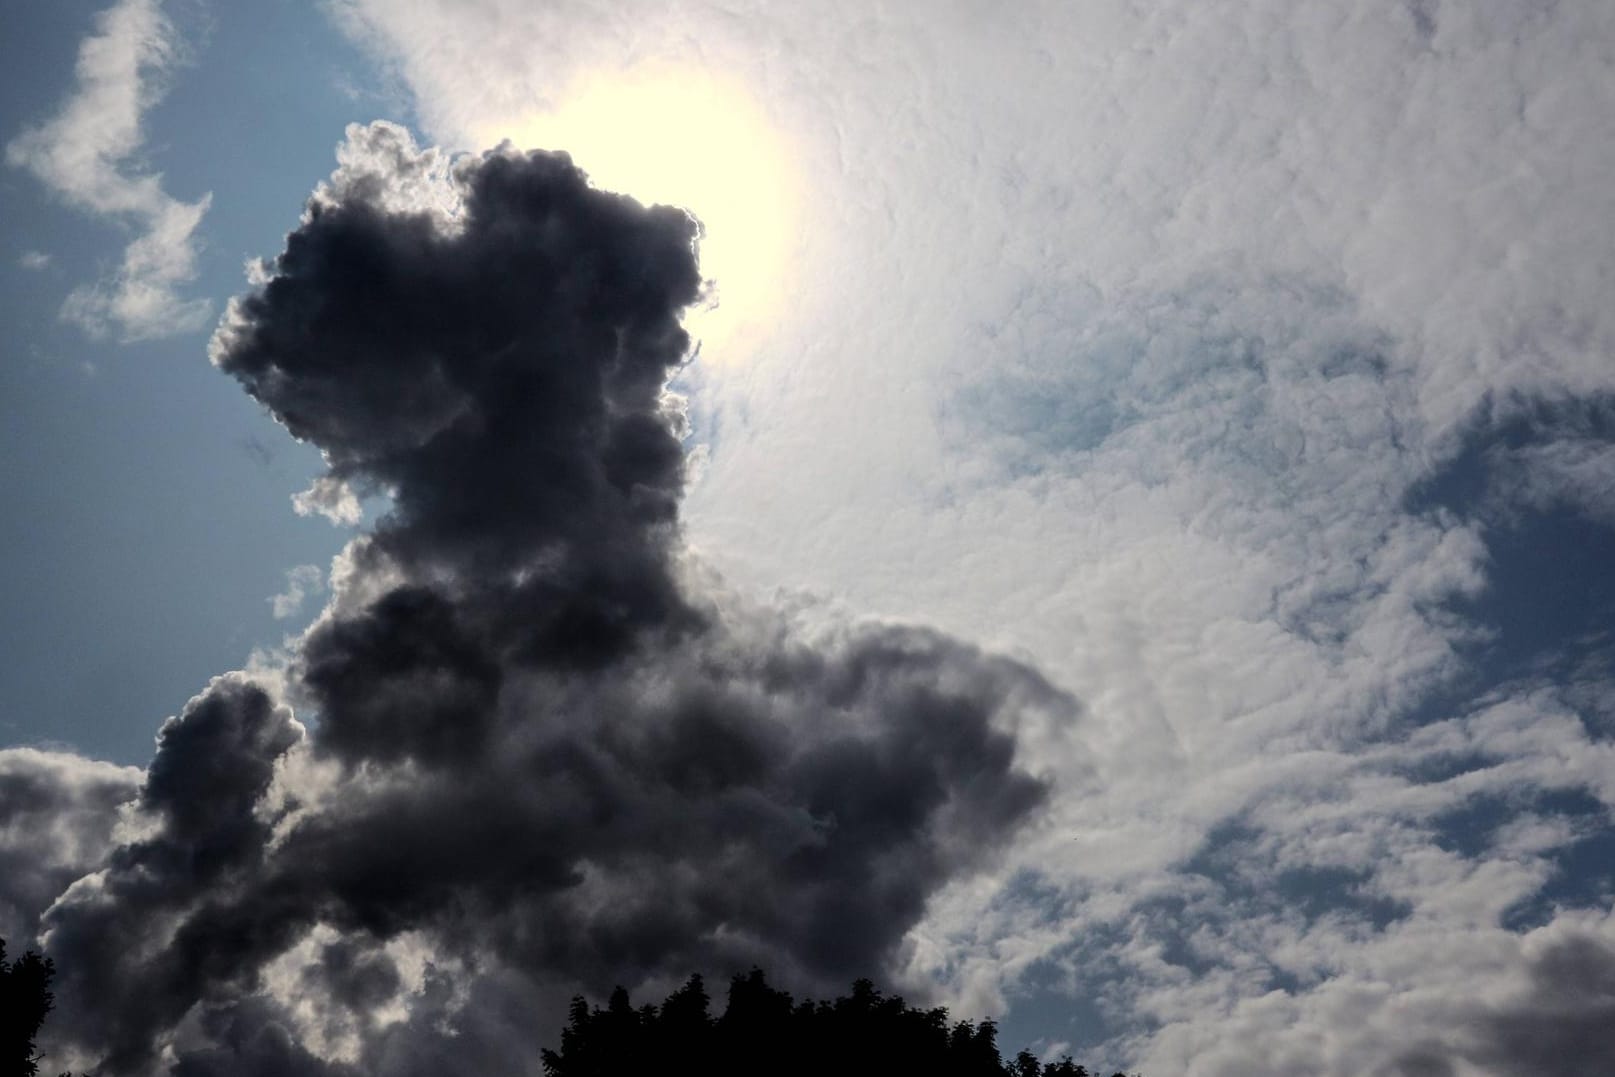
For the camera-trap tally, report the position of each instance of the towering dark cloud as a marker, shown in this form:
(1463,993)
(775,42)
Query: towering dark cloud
(539,754)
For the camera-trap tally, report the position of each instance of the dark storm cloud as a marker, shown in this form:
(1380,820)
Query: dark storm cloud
(57,813)
(536,751)
(123,973)
(1559,1027)
(1563,1027)
(501,378)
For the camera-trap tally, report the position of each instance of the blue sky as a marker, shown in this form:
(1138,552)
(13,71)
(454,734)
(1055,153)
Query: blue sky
(1243,371)
(150,517)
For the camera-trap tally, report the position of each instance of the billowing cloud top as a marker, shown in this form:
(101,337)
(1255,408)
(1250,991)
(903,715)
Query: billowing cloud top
(539,757)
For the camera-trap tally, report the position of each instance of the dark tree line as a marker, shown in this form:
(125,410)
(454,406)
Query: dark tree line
(25,999)
(763,1030)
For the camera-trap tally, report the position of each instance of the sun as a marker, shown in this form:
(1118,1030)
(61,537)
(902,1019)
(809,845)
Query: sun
(691,140)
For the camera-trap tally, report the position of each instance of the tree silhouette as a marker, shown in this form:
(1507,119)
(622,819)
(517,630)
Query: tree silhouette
(764,1030)
(25,999)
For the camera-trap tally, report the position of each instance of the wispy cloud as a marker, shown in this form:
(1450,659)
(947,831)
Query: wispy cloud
(301,582)
(88,154)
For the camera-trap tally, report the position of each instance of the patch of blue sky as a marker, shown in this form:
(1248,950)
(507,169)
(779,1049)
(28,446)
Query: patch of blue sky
(1219,380)
(1240,871)
(1583,878)
(149,512)
(1053,1012)
(1546,611)
(1471,829)
(1064,1001)
(1550,591)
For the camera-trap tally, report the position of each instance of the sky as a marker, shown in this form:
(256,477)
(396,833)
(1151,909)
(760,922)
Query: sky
(1094,514)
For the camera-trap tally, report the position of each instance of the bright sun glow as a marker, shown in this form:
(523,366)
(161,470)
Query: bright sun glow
(691,141)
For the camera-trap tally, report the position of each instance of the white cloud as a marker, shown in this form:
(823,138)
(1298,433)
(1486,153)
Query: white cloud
(1120,339)
(35,260)
(331,498)
(88,154)
(301,582)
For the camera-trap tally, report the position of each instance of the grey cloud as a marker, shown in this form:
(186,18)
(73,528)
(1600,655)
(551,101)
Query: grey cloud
(1557,1026)
(251,1038)
(57,814)
(1426,1061)
(203,838)
(437,364)
(1562,1026)
(538,749)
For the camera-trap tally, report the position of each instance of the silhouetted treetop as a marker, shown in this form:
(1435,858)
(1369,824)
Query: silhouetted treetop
(764,1030)
(25,999)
